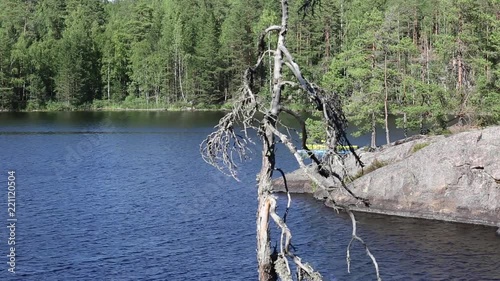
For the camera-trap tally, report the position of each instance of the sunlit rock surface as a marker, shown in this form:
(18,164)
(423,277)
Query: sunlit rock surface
(454,178)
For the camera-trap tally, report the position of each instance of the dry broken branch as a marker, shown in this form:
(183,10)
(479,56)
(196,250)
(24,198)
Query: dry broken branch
(289,197)
(310,154)
(224,146)
(284,139)
(286,237)
(330,105)
(356,237)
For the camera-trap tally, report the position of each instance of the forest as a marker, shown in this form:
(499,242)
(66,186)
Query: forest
(428,62)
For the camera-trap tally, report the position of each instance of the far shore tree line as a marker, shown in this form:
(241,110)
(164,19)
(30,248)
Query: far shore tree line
(427,62)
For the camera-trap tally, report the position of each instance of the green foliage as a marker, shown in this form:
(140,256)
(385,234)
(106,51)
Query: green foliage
(140,103)
(316,132)
(419,146)
(101,104)
(433,58)
(59,106)
(376,164)
(134,102)
(227,106)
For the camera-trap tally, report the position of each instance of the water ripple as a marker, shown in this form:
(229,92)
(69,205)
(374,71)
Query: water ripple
(141,204)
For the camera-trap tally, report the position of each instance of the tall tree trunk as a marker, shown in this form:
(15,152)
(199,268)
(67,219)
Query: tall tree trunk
(327,40)
(109,82)
(459,54)
(186,79)
(176,73)
(460,72)
(373,143)
(386,109)
(266,267)
(264,260)
(180,81)
(421,124)
(486,67)
(341,31)
(405,126)
(415,26)
(427,69)
(398,50)
(178,69)
(157,93)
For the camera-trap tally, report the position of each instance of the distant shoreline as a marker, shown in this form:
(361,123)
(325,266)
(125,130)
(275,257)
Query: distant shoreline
(110,109)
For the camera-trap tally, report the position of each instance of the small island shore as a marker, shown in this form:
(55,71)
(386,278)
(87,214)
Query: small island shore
(451,178)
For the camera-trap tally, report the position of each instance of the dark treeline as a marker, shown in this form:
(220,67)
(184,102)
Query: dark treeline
(421,60)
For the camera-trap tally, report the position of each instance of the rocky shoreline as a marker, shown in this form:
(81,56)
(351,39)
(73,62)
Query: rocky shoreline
(451,178)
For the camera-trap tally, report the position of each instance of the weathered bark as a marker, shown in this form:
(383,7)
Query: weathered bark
(265,263)
(268,158)
(263,242)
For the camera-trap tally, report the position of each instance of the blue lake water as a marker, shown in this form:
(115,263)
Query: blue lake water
(126,196)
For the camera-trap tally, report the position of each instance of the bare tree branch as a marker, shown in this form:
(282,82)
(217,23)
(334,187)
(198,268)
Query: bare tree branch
(287,193)
(356,237)
(221,147)
(262,42)
(289,83)
(330,105)
(310,154)
(294,67)
(286,237)
(293,149)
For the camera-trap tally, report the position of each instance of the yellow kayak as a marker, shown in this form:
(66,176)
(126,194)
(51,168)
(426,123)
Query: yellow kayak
(317,146)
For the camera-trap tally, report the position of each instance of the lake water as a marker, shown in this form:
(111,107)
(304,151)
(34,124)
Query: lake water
(126,196)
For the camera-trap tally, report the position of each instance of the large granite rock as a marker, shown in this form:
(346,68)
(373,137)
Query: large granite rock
(455,178)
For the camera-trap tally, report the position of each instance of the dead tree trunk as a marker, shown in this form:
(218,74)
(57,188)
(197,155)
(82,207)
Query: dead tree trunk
(222,145)
(268,156)
(265,263)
